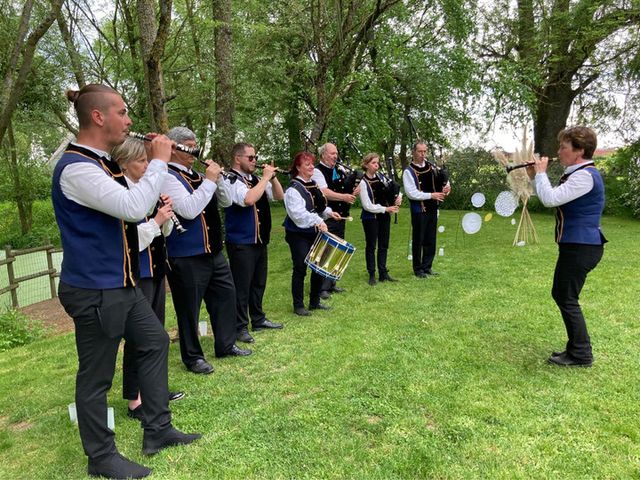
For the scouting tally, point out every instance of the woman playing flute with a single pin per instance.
(132, 159)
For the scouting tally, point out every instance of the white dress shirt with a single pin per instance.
(190, 205)
(367, 202)
(297, 210)
(318, 177)
(87, 185)
(408, 181)
(147, 231)
(578, 184)
(239, 190)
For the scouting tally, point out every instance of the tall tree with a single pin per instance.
(556, 51)
(224, 135)
(340, 32)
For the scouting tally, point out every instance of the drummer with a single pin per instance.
(306, 210)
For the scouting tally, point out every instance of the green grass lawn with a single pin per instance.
(424, 378)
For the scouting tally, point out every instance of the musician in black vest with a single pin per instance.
(197, 268)
(131, 157)
(579, 202)
(424, 187)
(377, 205)
(338, 186)
(247, 231)
(306, 208)
(97, 216)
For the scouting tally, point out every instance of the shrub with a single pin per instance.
(475, 170)
(17, 329)
(625, 168)
(44, 228)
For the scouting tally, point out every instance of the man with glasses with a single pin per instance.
(198, 270)
(248, 228)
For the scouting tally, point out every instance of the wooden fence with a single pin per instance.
(14, 282)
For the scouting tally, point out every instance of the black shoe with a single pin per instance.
(421, 274)
(567, 360)
(175, 396)
(236, 351)
(336, 289)
(557, 354)
(431, 272)
(153, 443)
(319, 306)
(136, 413)
(266, 325)
(385, 277)
(302, 312)
(244, 337)
(372, 280)
(116, 466)
(324, 295)
(201, 366)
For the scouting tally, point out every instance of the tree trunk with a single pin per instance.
(74, 56)
(319, 125)
(206, 99)
(553, 108)
(25, 212)
(224, 135)
(140, 106)
(294, 127)
(153, 42)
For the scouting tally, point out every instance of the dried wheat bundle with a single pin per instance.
(519, 183)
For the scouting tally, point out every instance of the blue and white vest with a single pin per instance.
(579, 220)
(101, 251)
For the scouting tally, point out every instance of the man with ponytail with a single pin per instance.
(97, 216)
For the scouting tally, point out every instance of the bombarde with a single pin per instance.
(510, 168)
(195, 151)
(278, 170)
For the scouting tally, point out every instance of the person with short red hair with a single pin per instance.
(307, 209)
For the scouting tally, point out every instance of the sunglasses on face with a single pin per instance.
(251, 157)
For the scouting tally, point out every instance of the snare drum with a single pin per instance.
(329, 255)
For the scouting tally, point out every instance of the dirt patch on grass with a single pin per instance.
(51, 314)
(57, 322)
(14, 427)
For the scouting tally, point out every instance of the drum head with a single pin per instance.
(471, 223)
(506, 203)
(478, 199)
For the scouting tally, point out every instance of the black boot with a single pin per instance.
(385, 277)
(152, 443)
(372, 279)
(116, 466)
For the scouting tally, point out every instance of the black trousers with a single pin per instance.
(423, 240)
(155, 292)
(300, 244)
(102, 318)
(574, 263)
(376, 231)
(337, 227)
(249, 264)
(193, 279)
